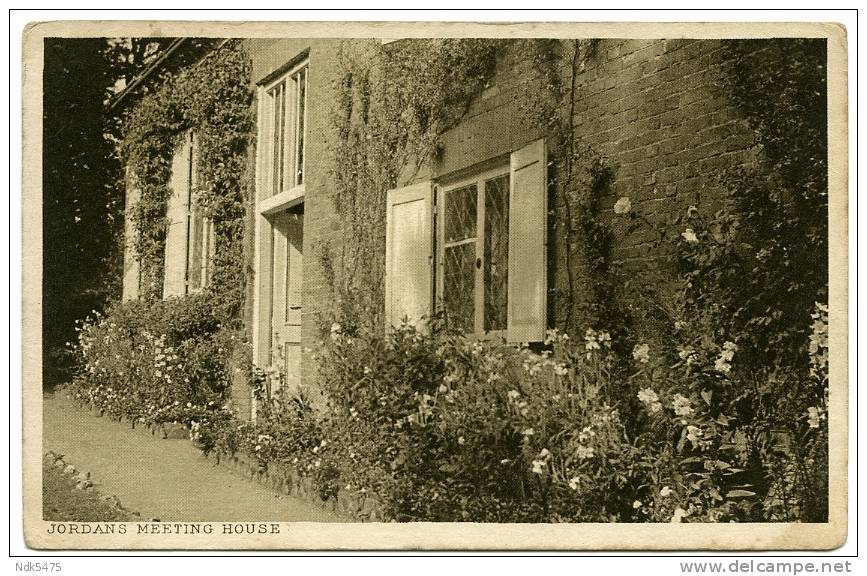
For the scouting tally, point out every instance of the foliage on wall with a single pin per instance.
(393, 104)
(579, 179)
(213, 101)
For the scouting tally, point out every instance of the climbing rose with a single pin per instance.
(690, 236)
(814, 415)
(679, 515)
(650, 399)
(623, 205)
(681, 405)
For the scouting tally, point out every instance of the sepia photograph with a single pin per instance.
(435, 286)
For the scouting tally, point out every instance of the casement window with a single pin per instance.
(190, 237)
(286, 109)
(280, 184)
(475, 246)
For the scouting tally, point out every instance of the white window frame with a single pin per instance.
(273, 196)
(478, 179)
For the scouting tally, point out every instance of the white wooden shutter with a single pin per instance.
(409, 254)
(177, 208)
(527, 244)
(131, 262)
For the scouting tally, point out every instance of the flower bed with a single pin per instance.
(442, 428)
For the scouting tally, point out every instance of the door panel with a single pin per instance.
(288, 262)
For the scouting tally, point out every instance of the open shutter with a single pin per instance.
(527, 244)
(131, 262)
(408, 254)
(177, 213)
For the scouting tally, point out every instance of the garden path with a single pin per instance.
(162, 478)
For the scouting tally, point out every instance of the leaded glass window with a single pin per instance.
(474, 253)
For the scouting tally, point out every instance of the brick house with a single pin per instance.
(478, 228)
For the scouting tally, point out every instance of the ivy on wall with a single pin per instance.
(213, 101)
(584, 285)
(392, 105)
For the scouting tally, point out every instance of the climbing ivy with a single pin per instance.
(579, 178)
(213, 101)
(393, 103)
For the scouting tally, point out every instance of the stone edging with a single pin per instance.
(357, 506)
(84, 482)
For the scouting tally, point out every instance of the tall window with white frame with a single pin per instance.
(287, 99)
(281, 182)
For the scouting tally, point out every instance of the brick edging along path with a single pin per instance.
(162, 478)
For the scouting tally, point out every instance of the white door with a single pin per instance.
(287, 266)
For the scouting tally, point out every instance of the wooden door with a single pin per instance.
(286, 296)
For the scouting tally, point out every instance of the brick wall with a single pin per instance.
(650, 108)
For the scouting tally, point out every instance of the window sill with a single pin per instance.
(282, 201)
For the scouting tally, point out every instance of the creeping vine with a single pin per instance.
(212, 100)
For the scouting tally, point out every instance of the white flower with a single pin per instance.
(367, 370)
(532, 368)
(538, 467)
(623, 205)
(544, 453)
(693, 434)
(690, 236)
(560, 369)
(461, 440)
(528, 432)
(723, 363)
(814, 416)
(584, 452)
(679, 515)
(681, 405)
(650, 399)
(665, 492)
(641, 353)
(513, 395)
(336, 331)
(573, 482)
(637, 504)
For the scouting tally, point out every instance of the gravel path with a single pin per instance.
(165, 479)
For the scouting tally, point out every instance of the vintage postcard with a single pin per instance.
(421, 286)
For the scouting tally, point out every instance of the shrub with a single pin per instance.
(154, 362)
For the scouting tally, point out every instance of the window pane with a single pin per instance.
(197, 234)
(460, 214)
(301, 91)
(496, 261)
(459, 285)
(278, 128)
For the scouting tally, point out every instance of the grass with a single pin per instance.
(61, 501)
